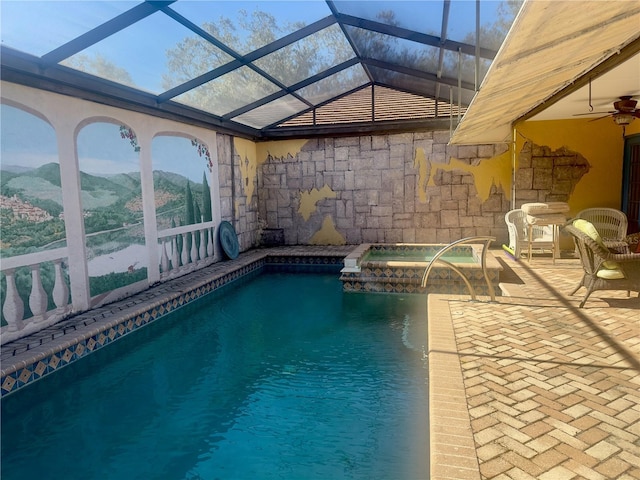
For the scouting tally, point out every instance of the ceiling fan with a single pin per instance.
(625, 111)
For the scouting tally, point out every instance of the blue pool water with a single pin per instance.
(276, 377)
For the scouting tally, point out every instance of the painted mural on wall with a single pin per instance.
(182, 194)
(181, 168)
(30, 196)
(31, 202)
(108, 157)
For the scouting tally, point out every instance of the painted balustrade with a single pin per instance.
(186, 248)
(13, 307)
(182, 250)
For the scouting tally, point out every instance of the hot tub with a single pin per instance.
(399, 268)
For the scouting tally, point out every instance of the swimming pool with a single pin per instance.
(277, 376)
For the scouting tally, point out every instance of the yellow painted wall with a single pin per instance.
(600, 142)
(493, 171)
(279, 149)
(310, 199)
(253, 154)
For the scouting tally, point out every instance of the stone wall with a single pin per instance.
(546, 175)
(383, 188)
(411, 188)
(234, 205)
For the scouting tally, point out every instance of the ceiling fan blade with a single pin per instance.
(591, 113)
(600, 118)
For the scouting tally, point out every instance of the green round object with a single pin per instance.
(228, 240)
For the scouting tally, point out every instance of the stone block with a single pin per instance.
(373, 181)
(430, 220)
(426, 236)
(561, 187)
(271, 180)
(466, 221)
(409, 235)
(467, 151)
(308, 183)
(486, 151)
(403, 220)
(308, 168)
(379, 142)
(372, 222)
(474, 206)
(381, 211)
(450, 204)
(373, 197)
(563, 173)
(492, 204)
(400, 138)
(370, 235)
(524, 178)
(329, 164)
(380, 159)
(441, 137)
(284, 200)
(385, 197)
(347, 141)
(349, 180)
(365, 143)
(341, 166)
(360, 198)
(341, 153)
(459, 192)
(542, 179)
(449, 218)
(392, 235)
(542, 163)
(485, 221)
(526, 196)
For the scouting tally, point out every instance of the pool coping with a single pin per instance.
(452, 446)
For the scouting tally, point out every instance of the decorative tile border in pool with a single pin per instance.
(26, 360)
(405, 276)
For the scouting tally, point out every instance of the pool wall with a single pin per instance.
(405, 276)
(28, 359)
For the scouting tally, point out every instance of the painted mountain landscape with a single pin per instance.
(31, 211)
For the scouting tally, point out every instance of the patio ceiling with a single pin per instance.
(558, 58)
(262, 69)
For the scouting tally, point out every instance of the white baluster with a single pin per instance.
(60, 291)
(209, 243)
(185, 252)
(38, 297)
(194, 248)
(174, 254)
(164, 259)
(13, 308)
(203, 245)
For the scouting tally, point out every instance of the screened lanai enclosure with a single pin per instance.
(132, 130)
(262, 69)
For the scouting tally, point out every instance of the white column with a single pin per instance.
(73, 219)
(149, 205)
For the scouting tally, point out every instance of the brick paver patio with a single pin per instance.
(532, 387)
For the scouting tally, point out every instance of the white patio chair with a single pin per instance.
(542, 236)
